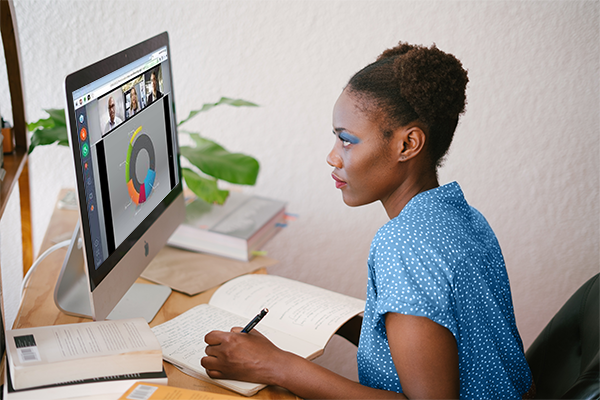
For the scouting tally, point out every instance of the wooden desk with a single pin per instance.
(38, 308)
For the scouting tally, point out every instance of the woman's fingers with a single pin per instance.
(214, 338)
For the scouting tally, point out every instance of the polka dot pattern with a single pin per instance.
(441, 260)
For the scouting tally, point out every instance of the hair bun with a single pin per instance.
(401, 48)
(433, 82)
(413, 82)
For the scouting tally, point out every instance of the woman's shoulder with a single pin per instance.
(432, 209)
(436, 217)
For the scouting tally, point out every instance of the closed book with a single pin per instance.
(235, 229)
(62, 353)
(107, 387)
(149, 391)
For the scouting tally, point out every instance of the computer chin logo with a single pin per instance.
(146, 248)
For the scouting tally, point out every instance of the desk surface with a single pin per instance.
(38, 308)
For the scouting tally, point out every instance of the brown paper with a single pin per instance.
(191, 273)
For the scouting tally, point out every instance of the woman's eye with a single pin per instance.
(348, 139)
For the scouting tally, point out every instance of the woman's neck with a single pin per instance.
(412, 186)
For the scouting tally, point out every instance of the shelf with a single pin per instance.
(13, 164)
(16, 164)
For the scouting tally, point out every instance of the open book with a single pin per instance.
(301, 319)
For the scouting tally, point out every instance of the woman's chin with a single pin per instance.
(353, 201)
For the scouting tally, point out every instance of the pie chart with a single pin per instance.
(140, 189)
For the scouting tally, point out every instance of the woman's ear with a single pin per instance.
(411, 142)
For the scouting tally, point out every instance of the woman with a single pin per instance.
(133, 108)
(438, 321)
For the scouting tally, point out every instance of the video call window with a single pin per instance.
(131, 98)
(135, 96)
(114, 113)
(153, 85)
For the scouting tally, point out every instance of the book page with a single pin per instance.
(299, 309)
(182, 338)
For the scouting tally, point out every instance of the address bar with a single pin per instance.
(110, 86)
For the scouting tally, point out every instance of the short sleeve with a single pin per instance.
(440, 259)
(412, 278)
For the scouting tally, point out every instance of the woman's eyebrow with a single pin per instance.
(339, 130)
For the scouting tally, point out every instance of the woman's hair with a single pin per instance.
(133, 103)
(411, 83)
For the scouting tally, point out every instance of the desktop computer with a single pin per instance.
(123, 137)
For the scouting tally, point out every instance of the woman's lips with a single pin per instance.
(338, 182)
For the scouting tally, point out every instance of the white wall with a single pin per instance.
(526, 152)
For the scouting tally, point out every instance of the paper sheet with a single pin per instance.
(191, 273)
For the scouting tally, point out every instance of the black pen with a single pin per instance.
(255, 320)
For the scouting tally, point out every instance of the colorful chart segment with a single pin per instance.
(140, 191)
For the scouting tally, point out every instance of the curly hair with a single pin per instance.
(410, 83)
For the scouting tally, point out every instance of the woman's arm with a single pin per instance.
(424, 353)
(252, 357)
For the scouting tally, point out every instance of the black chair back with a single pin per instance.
(564, 357)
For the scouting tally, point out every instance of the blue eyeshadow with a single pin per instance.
(346, 137)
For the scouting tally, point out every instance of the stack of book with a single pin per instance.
(236, 229)
(73, 360)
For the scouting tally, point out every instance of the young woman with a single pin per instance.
(439, 320)
(133, 108)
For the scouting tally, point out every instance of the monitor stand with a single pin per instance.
(71, 293)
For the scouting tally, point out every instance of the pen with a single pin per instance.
(255, 320)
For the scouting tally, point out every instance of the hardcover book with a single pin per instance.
(235, 229)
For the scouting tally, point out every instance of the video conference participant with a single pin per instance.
(154, 93)
(113, 119)
(134, 105)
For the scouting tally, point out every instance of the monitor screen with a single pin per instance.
(121, 121)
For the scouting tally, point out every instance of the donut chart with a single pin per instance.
(139, 191)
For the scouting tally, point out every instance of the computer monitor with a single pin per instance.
(123, 137)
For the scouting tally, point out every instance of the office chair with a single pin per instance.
(564, 357)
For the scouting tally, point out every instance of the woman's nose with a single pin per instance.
(334, 159)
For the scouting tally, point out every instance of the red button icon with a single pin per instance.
(83, 134)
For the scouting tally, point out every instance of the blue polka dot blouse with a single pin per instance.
(440, 259)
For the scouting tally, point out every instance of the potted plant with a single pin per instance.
(210, 161)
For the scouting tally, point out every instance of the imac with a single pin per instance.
(123, 137)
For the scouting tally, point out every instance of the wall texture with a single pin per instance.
(526, 152)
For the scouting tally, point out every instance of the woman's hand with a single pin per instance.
(247, 357)
(252, 357)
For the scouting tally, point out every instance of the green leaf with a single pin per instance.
(49, 130)
(41, 123)
(223, 100)
(204, 188)
(47, 136)
(58, 116)
(214, 160)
